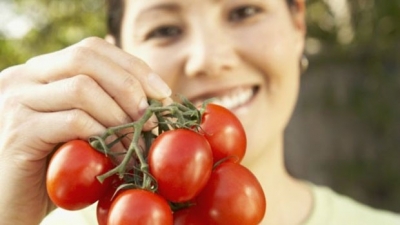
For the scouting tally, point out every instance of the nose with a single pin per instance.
(210, 52)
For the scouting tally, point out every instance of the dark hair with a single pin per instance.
(115, 14)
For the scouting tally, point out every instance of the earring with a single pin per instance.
(304, 63)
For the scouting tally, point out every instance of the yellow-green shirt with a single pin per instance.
(330, 208)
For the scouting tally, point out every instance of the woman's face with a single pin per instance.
(244, 53)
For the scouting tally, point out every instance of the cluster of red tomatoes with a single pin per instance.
(199, 178)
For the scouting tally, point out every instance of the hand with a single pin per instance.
(74, 93)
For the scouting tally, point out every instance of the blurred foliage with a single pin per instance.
(57, 24)
(375, 46)
(367, 38)
(374, 54)
(375, 25)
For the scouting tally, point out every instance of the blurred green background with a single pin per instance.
(345, 131)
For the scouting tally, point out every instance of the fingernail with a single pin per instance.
(143, 106)
(159, 85)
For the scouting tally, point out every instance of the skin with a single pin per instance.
(210, 55)
(49, 99)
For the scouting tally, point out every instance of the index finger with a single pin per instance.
(153, 85)
(129, 88)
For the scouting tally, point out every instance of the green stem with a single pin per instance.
(186, 117)
(133, 148)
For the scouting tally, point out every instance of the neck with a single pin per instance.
(283, 192)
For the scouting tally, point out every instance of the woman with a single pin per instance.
(246, 53)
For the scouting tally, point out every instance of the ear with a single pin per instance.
(110, 39)
(298, 11)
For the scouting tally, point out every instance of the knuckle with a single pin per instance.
(12, 110)
(12, 99)
(131, 85)
(136, 62)
(91, 42)
(140, 69)
(78, 85)
(138, 65)
(11, 95)
(9, 101)
(78, 53)
(72, 119)
(78, 120)
(78, 56)
(7, 76)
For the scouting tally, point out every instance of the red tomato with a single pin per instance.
(104, 203)
(224, 132)
(181, 162)
(188, 216)
(103, 206)
(71, 175)
(232, 196)
(136, 206)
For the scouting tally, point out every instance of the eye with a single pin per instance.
(164, 32)
(243, 12)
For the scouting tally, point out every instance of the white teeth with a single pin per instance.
(235, 98)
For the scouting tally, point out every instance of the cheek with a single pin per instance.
(272, 50)
(275, 53)
(273, 44)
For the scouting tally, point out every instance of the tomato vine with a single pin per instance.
(174, 116)
(180, 168)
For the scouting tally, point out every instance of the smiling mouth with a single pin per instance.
(233, 98)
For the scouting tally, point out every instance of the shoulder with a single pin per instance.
(331, 208)
(59, 216)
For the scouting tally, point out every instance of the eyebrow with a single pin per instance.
(171, 7)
